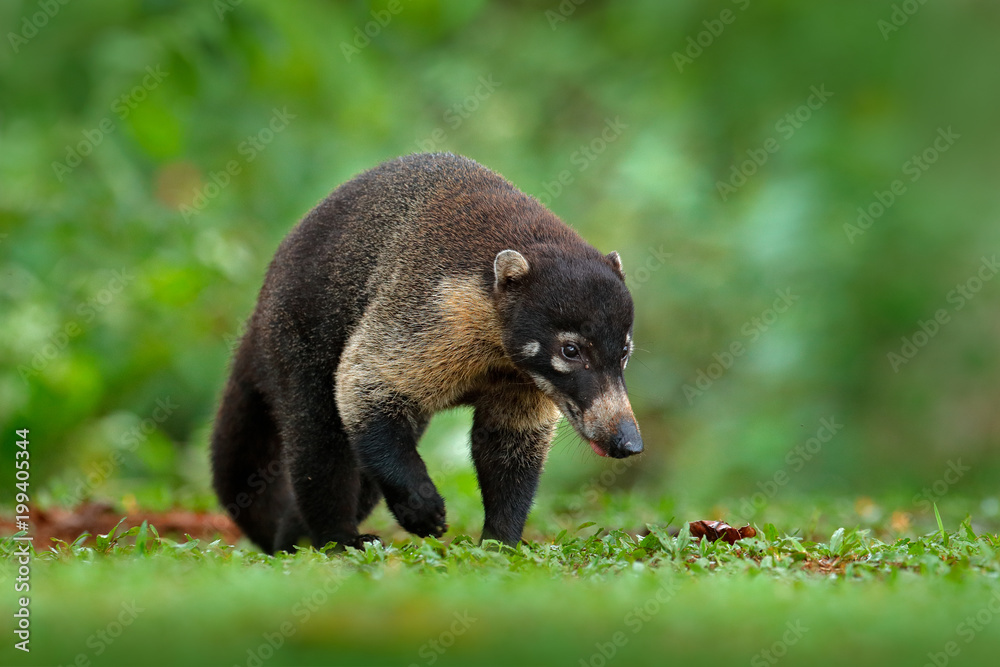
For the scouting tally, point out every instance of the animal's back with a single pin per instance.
(422, 216)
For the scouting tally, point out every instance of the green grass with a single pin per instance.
(836, 584)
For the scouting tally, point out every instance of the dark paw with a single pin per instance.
(422, 514)
(506, 539)
(365, 538)
(337, 543)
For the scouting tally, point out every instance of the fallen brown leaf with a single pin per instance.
(719, 530)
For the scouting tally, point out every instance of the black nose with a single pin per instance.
(627, 440)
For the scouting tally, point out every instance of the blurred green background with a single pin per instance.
(153, 154)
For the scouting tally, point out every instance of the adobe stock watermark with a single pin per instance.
(958, 298)
(364, 34)
(697, 43)
(914, 168)
(582, 158)
(900, 16)
(302, 611)
(223, 7)
(931, 494)
(88, 311)
(121, 107)
(31, 25)
(100, 471)
(248, 150)
(795, 460)
(431, 650)
(234, 338)
(258, 481)
(592, 491)
(458, 113)
(966, 631)
(562, 12)
(751, 330)
(786, 127)
(656, 259)
(100, 641)
(779, 649)
(634, 621)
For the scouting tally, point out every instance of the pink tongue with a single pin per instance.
(597, 450)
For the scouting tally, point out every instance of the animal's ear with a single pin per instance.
(508, 267)
(616, 263)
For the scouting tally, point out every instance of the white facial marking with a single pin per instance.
(570, 337)
(560, 364)
(531, 348)
(547, 387)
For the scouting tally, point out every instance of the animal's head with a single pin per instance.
(568, 326)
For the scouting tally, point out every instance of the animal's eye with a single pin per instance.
(570, 351)
(625, 353)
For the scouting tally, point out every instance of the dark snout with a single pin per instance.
(626, 441)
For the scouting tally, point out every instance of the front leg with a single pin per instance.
(511, 434)
(385, 442)
(378, 397)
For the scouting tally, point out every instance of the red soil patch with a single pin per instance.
(99, 519)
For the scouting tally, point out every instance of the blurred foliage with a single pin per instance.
(153, 154)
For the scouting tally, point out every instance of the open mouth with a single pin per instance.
(575, 418)
(597, 449)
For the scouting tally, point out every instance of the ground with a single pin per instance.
(823, 583)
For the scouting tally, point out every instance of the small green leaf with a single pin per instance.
(944, 535)
(106, 542)
(969, 532)
(837, 541)
(142, 538)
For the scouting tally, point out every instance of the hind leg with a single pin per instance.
(291, 529)
(321, 465)
(368, 497)
(326, 483)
